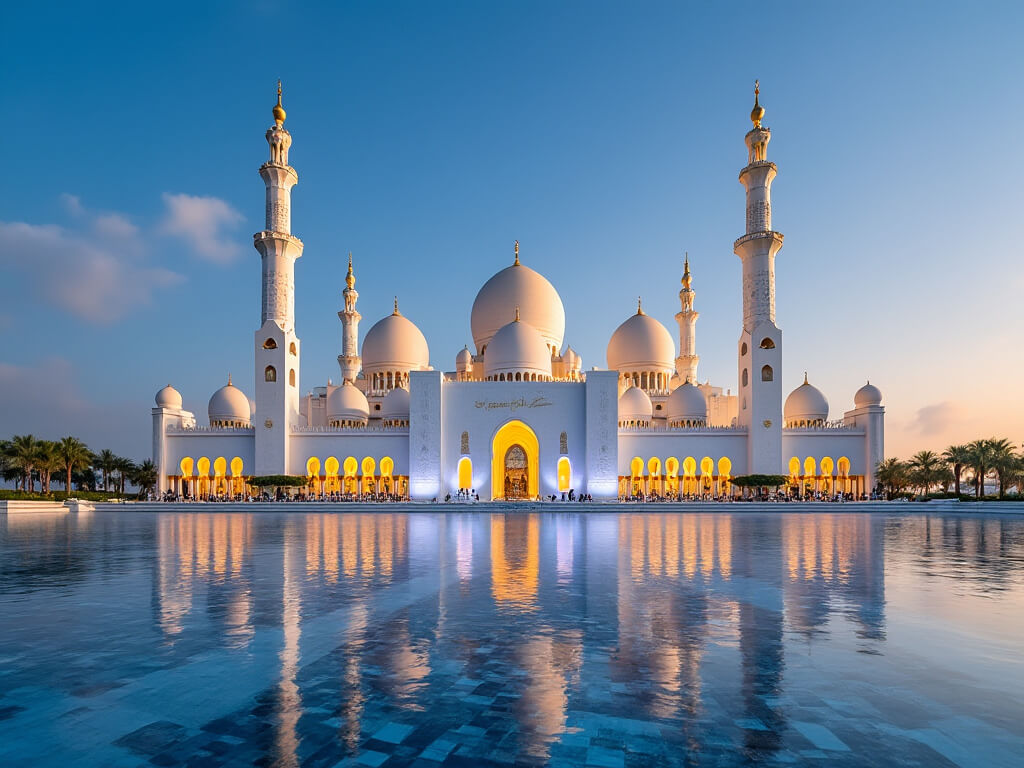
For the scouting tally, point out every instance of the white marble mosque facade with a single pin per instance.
(518, 417)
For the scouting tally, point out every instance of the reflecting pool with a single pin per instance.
(595, 639)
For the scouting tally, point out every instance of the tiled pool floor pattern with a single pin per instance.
(500, 640)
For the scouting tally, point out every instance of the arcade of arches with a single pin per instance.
(355, 478)
(672, 477)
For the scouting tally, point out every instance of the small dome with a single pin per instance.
(229, 405)
(168, 397)
(347, 404)
(517, 347)
(396, 405)
(570, 357)
(641, 343)
(464, 360)
(686, 404)
(867, 395)
(394, 343)
(805, 405)
(517, 286)
(635, 405)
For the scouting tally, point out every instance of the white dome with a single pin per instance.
(394, 343)
(517, 347)
(570, 357)
(518, 286)
(464, 360)
(686, 403)
(395, 405)
(635, 405)
(168, 397)
(869, 394)
(641, 343)
(806, 403)
(347, 403)
(229, 404)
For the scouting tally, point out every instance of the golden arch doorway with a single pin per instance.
(515, 472)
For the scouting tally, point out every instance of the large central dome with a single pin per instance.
(518, 286)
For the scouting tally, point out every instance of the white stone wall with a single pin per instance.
(354, 443)
(602, 453)
(425, 434)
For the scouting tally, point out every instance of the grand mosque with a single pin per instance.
(518, 417)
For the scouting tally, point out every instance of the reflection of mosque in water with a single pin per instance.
(534, 607)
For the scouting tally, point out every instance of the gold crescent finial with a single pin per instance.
(279, 113)
(686, 271)
(350, 278)
(396, 312)
(517, 253)
(757, 113)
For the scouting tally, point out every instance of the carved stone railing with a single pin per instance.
(828, 426)
(661, 430)
(210, 431)
(373, 430)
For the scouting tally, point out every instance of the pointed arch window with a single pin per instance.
(270, 373)
(767, 374)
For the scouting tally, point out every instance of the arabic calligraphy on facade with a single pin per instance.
(513, 405)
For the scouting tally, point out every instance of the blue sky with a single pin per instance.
(605, 137)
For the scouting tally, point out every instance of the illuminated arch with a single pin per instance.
(511, 433)
(707, 471)
(809, 467)
(672, 475)
(843, 470)
(369, 467)
(331, 467)
(203, 467)
(351, 468)
(465, 472)
(312, 467)
(236, 466)
(564, 474)
(724, 474)
(794, 467)
(187, 466)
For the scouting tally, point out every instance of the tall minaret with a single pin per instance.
(349, 359)
(686, 363)
(277, 346)
(760, 345)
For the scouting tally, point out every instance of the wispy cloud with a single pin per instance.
(937, 418)
(203, 222)
(96, 274)
(72, 204)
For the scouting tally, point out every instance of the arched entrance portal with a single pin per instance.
(515, 462)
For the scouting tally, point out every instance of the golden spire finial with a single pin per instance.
(396, 312)
(517, 254)
(805, 378)
(639, 308)
(517, 314)
(757, 113)
(229, 379)
(279, 113)
(350, 278)
(686, 271)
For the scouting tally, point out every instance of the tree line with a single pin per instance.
(993, 458)
(27, 460)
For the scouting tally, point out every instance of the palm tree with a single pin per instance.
(22, 453)
(1003, 460)
(923, 469)
(980, 462)
(48, 463)
(145, 476)
(958, 457)
(73, 456)
(106, 462)
(892, 475)
(124, 467)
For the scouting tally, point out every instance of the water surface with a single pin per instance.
(596, 639)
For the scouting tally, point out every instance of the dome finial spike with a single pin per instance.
(350, 278)
(279, 113)
(396, 312)
(805, 378)
(757, 113)
(639, 306)
(517, 254)
(229, 379)
(517, 313)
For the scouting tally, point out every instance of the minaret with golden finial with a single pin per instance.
(277, 347)
(760, 344)
(686, 363)
(349, 360)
